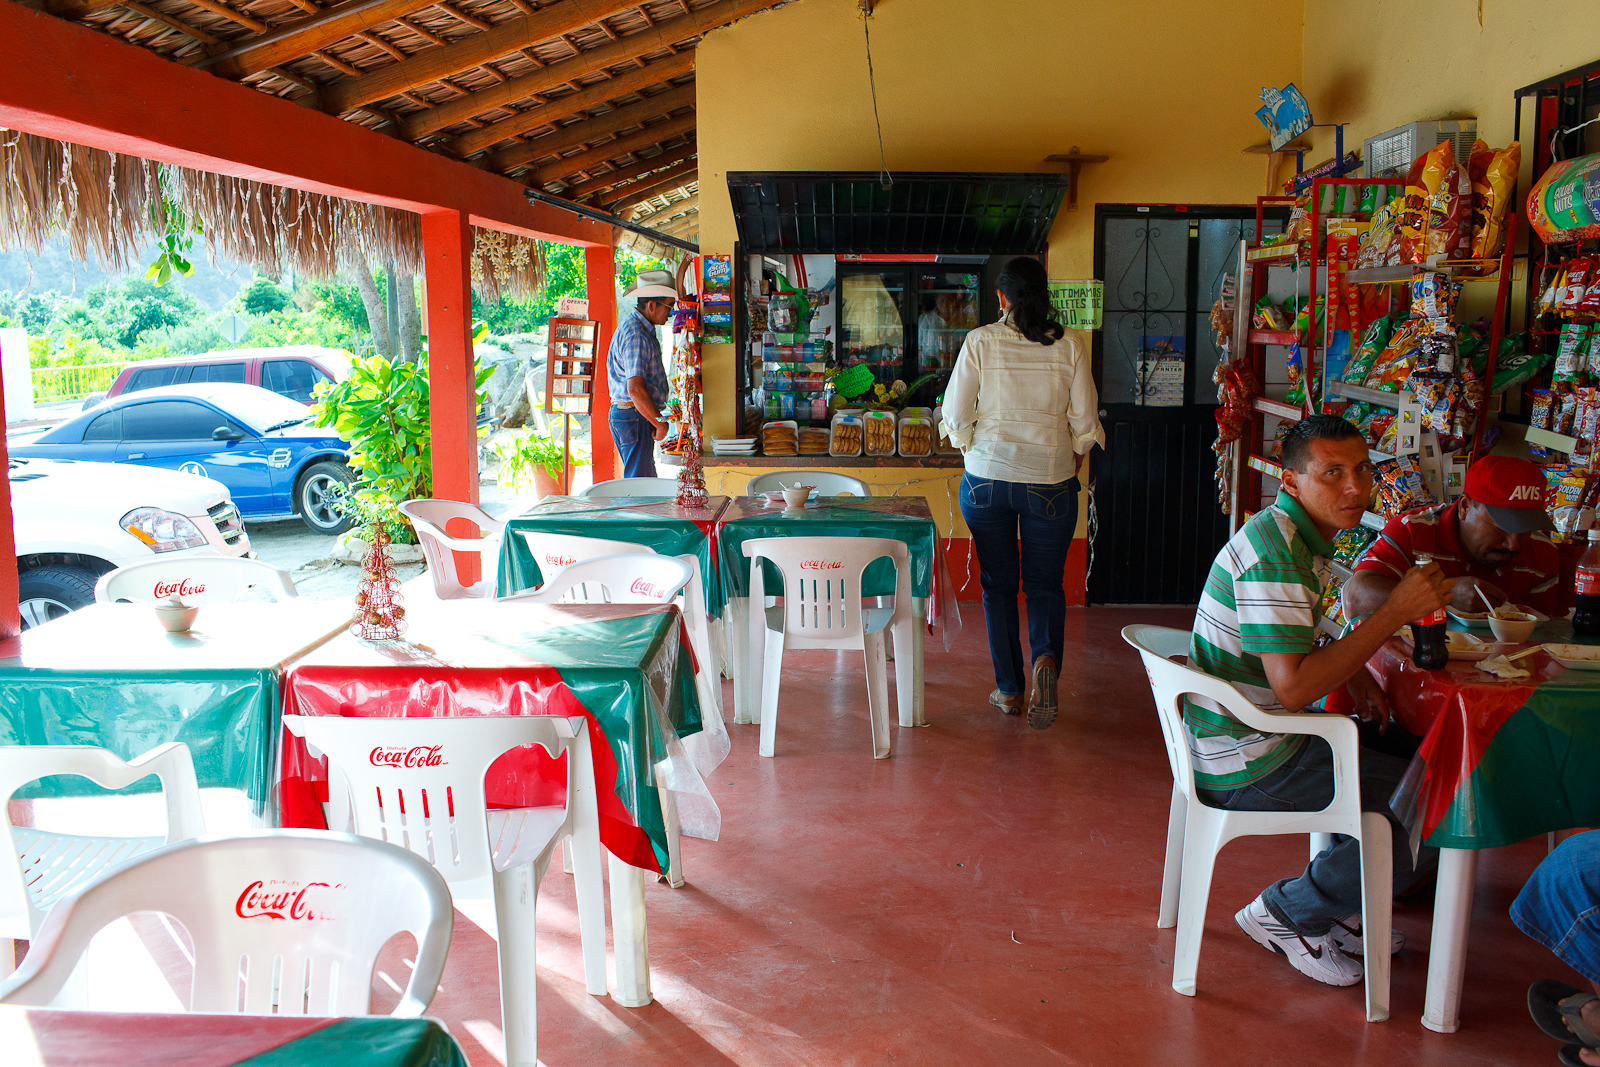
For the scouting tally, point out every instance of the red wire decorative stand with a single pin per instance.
(692, 476)
(380, 615)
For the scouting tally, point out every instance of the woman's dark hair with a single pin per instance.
(1027, 289)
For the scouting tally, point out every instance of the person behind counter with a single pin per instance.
(634, 371)
(1492, 538)
(1021, 405)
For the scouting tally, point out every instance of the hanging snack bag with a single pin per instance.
(1398, 359)
(1433, 294)
(1373, 342)
(1400, 486)
(1378, 426)
(1374, 248)
(1571, 352)
(1410, 244)
(1491, 197)
(1566, 413)
(1580, 276)
(1449, 219)
(1438, 348)
(1559, 204)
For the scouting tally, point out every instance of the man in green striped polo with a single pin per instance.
(1256, 627)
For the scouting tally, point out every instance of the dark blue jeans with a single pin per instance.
(1045, 516)
(636, 442)
(1330, 886)
(1560, 905)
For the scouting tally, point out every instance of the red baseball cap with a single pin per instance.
(1513, 490)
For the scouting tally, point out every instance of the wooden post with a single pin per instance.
(453, 406)
(600, 282)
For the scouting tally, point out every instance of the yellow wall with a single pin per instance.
(1166, 88)
(937, 484)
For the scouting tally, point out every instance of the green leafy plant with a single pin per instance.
(521, 451)
(383, 409)
(174, 244)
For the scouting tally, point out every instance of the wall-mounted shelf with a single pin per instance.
(1278, 408)
(1362, 393)
(1265, 466)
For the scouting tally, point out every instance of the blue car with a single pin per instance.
(260, 445)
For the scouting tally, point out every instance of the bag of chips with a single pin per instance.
(1437, 350)
(1559, 204)
(1400, 486)
(1449, 215)
(1410, 229)
(1580, 275)
(1349, 544)
(1572, 352)
(1433, 294)
(1491, 197)
(1514, 364)
(1374, 341)
(1375, 242)
(1397, 361)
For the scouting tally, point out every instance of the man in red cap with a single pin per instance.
(1491, 538)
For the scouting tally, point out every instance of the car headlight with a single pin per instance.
(163, 531)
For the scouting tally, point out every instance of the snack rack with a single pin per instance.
(569, 379)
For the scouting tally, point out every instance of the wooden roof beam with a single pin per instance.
(632, 142)
(310, 35)
(630, 171)
(254, 25)
(677, 207)
(469, 52)
(589, 96)
(581, 133)
(167, 20)
(631, 196)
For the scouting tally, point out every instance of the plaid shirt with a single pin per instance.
(636, 353)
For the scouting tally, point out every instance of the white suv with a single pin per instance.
(75, 521)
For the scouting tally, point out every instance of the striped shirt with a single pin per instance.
(1263, 595)
(636, 353)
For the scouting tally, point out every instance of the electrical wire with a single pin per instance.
(884, 177)
(1554, 134)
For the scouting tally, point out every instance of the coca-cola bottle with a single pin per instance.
(1429, 649)
(1586, 620)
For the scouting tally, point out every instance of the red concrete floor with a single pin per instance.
(987, 895)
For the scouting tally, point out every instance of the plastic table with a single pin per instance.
(625, 668)
(109, 675)
(904, 519)
(658, 522)
(1500, 761)
(42, 1037)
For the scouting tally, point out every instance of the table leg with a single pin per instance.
(1447, 955)
(755, 656)
(908, 642)
(739, 656)
(630, 944)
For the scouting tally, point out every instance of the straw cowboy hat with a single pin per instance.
(653, 284)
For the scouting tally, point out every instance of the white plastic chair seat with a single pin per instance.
(875, 620)
(195, 579)
(828, 483)
(53, 865)
(633, 487)
(429, 517)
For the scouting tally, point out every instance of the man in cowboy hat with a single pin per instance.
(636, 376)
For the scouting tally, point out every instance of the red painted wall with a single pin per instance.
(600, 282)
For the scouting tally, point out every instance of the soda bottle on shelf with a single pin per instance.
(1586, 620)
(1429, 649)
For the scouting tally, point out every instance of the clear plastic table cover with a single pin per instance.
(658, 522)
(626, 668)
(904, 519)
(108, 675)
(1500, 761)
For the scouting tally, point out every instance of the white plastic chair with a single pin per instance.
(429, 519)
(49, 866)
(284, 922)
(196, 579)
(633, 487)
(1197, 832)
(822, 608)
(418, 783)
(828, 483)
(625, 578)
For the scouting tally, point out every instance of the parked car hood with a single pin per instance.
(43, 480)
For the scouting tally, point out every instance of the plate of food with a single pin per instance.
(1479, 620)
(1575, 657)
(1464, 647)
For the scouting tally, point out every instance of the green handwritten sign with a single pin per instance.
(1079, 305)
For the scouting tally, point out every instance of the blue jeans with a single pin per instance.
(1560, 905)
(1046, 516)
(636, 441)
(1330, 887)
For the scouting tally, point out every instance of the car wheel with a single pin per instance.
(321, 487)
(51, 592)
(91, 400)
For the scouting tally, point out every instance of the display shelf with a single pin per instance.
(1273, 254)
(1362, 393)
(821, 461)
(1328, 626)
(1550, 439)
(1274, 337)
(1456, 268)
(1265, 466)
(1373, 521)
(1278, 408)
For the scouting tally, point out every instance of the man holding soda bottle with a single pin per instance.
(1256, 627)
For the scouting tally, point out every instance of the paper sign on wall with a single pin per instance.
(1079, 305)
(572, 307)
(1161, 371)
(716, 299)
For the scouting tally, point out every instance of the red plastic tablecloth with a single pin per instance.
(1456, 712)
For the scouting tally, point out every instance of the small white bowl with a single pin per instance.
(795, 498)
(1512, 630)
(176, 620)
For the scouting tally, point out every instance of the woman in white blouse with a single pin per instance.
(1021, 405)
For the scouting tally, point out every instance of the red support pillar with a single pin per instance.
(453, 403)
(10, 621)
(600, 281)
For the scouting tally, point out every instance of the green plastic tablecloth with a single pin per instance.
(896, 518)
(657, 522)
(370, 1041)
(622, 663)
(108, 675)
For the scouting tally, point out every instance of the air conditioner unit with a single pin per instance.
(1397, 149)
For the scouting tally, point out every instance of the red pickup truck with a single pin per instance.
(292, 371)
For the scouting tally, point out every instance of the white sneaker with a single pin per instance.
(1314, 957)
(1347, 935)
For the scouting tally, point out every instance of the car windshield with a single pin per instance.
(263, 410)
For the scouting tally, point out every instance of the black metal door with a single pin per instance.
(1158, 525)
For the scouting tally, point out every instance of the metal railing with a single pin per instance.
(73, 383)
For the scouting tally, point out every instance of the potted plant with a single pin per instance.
(531, 458)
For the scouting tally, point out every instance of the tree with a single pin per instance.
(263, 296)
(377, 314)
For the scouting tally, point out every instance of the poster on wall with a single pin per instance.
(1078, 305)
(1160, 381)
(716, 300)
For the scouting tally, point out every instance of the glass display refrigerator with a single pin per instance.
(908, 321)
